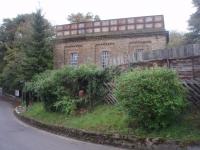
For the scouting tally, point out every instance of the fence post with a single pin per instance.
(193, 76)
(1, 92)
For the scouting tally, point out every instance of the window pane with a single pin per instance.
(90, 30)
(131, 27)
(66, 33)
(81, 25)
(131, 20)
(139, 26)
(73, 32)
(113, 22)
(67, 27)
(81, 31)
(122, 21)
(158, 25)
(97, 29)
(113, 28)
(149, 25)
(122, 28)
(73, 26)
(97, 23)
(139, 20)
(158, 18)
(89, 25)
(105, 23)
(148, 19)
(105, 29)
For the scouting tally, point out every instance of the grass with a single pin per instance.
(103, 119)
(109, 119)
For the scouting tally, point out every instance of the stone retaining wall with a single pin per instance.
(123, 141)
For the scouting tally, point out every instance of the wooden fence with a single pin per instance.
(185, 60)
(192, 87)
(110, 98)
(172, 53)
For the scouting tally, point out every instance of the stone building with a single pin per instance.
(99, 41)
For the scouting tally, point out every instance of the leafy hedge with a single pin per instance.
(58, 86)
(152, 98)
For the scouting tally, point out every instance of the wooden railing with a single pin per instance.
(185, 60)
(161, 54)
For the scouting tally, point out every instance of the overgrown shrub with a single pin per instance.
(52, 86)
(46, 88)
(152, 98)
(65, 105)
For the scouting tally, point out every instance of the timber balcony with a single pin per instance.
(114, 26)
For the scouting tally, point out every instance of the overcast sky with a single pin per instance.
(176, 12)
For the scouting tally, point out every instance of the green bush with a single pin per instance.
(152, 98)
(52, 86)
(65, 105)
(46, 88)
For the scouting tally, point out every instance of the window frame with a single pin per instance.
(105, 56)
(74, 58)
(137, 53)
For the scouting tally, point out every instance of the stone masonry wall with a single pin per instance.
(89, 50)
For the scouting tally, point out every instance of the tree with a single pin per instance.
(7, 33)
(96, 18)
(80, 17)
(14, 34)
(194, 25)
(25, 49)
(11, 31)
(39, 53)
(12, 74)
(176, 39)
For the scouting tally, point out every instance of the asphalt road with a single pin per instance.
(15, 135)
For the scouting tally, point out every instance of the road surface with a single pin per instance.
(15, 135)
